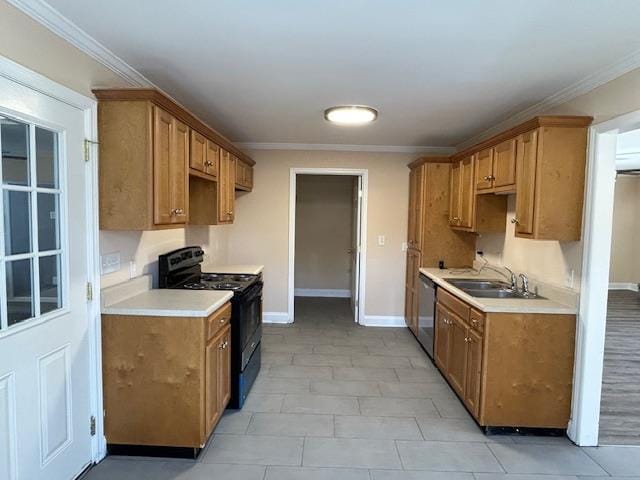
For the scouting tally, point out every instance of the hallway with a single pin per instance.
(338, 401)
(620, 406)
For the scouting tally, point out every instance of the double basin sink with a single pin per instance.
(489, 289)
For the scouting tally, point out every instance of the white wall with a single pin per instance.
(143, 248)
(260, 233)
(324, 211)
(625, 242)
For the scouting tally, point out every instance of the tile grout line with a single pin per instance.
(395, 444)
(496, 457)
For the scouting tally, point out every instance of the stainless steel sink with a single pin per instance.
(477, 284)
(502, 293)
(489, 289)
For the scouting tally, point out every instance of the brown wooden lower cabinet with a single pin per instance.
(166, 379)
(411, 290)
(509, 369)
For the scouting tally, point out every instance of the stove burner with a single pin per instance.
(242, 278)
(228, 286)
(212, 277)
(195, 286)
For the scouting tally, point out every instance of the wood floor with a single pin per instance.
(620, 408)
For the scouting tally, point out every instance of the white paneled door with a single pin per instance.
(45, 357)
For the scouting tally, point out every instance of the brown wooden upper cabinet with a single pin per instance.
(244, 175)
(204, 156)
(144, 155)
(496, 168)
(551, 163)
(151, 150)
(469, 212)
(226, 188)
(542, 161)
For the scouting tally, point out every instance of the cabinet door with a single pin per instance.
(457, 361)
(179, 173)
(212, 158)
(241, 175)
(504, 164)
(249, 173)
(231, 190)
(408, 305)
(226, 184)
(442, 337)
(454, 201)
(416, 193)
(526, 158)
(467, 192)
(411, 308)
(213, 408)
(474, 372)
(484, 169)
(198, 152)
(162, 151)
(224, 368)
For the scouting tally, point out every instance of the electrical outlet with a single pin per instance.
(568, 282)
(381, 240)
(109, 263)
(405, 246)
(133, 269)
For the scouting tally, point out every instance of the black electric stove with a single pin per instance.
(181, 269)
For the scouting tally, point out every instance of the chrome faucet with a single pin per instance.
(525, 284)
(512, 276)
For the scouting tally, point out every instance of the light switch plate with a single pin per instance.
(109, 263)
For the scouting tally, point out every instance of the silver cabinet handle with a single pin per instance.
(223, 319)
(177, 211)
(515, 221)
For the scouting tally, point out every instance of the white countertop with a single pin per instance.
(495, 305)
(238, 269)
(171, 303)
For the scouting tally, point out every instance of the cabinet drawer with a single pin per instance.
(452, 303)
(218, 319)
(476, 320)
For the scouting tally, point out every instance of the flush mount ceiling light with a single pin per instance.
(350, 114)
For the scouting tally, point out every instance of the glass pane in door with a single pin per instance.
(20, 305)
(48, 222)
(50, 296)
(46, 158)
(17, 222)
(14, 138)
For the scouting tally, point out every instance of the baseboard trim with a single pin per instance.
(383, 321)
(275, 317)
(321, 292)
(624, 286)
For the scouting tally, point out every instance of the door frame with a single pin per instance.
(352, 172)
(583, 426)
(23, 76)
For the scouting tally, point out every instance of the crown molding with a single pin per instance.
(45, 14)
(334, 147)
(587, 84)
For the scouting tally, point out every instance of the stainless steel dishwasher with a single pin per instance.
(426, 313)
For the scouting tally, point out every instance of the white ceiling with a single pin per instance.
(439, 71)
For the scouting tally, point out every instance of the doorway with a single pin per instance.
(49, 346)
(591, 396)
(620, 403)
(327, 236)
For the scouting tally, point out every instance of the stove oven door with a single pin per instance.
(250, 307)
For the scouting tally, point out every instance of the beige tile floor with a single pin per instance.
(339, 401)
